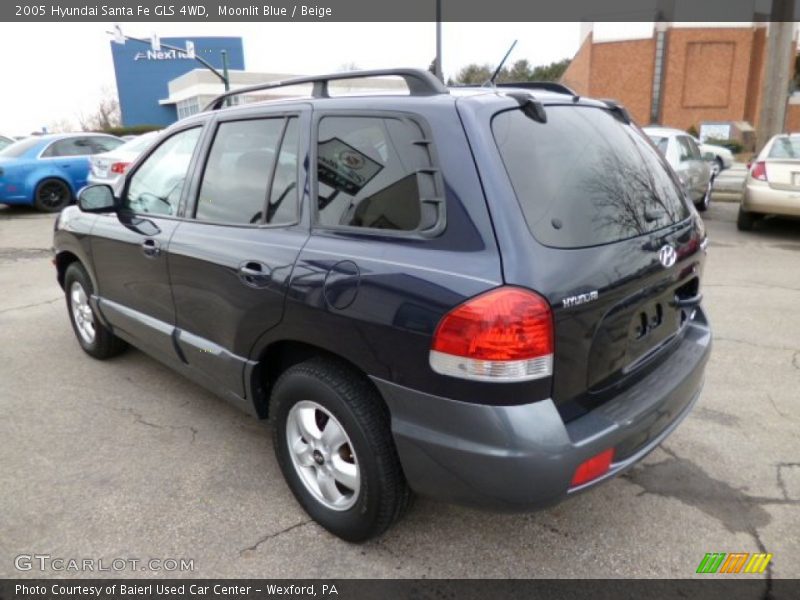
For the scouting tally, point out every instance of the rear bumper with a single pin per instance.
(759, 197)
(523, 457)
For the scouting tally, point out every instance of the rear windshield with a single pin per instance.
(785, 147)
(583, 178)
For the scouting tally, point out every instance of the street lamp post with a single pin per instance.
(121, 38)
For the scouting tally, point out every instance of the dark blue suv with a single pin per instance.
(486, 295)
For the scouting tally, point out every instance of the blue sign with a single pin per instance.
(143, 74)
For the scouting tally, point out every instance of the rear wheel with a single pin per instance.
(334, 445)
(52, 195)
(95, 339)
(746, 220)
(717, 166)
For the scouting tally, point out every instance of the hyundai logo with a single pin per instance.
(667, 256)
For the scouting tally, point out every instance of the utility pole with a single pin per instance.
(437, 63)
(777, 72)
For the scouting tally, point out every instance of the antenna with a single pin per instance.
(500, 66)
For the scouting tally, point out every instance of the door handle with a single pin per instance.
(254, 274)
(151, 248)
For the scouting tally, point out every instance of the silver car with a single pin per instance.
(109, 167)
(683, 155)
(772, 185)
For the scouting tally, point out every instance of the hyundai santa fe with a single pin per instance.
(486, 295)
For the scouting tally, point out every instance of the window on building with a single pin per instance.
(367, 173)
(239, 172)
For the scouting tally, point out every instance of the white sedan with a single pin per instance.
(109, 167)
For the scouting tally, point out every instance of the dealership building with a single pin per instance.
(143, 74)
(679, 75)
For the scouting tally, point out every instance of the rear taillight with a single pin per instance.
(759, 171)
(593, 468)
(503, 335)
(119, 167)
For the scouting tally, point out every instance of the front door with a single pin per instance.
(130, 248)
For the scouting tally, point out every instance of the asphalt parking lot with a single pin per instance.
(125, 459)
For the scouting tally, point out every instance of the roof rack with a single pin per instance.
(550, 86)
(419, 82)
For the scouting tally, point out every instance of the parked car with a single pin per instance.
(689, 163)
(5, 141)
(718, 157)
(772, 185)
(109, 167)
(47, 171)
(488, 296)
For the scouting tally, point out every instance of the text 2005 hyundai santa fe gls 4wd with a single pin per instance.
(490, 296)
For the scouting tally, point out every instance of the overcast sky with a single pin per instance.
(57, 70)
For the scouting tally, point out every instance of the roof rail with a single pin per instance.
(419, 82)
(550, 86)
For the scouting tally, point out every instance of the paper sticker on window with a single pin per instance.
(344, 168)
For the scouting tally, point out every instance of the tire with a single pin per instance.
(95, 339)
(746, 220)
(52, 195)
(321, 393)
(718, 166)
(703, 205)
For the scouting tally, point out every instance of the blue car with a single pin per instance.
(47, 171)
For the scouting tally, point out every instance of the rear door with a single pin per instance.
(614, 245)
(231, 259)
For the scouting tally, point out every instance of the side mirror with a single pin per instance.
(97, 199)
(709, 156)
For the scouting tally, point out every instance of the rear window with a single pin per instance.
(583, 178)
(785, 147)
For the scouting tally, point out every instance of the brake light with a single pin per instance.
(119, 167)
(593, 468)
(759, 171)
(504, 335)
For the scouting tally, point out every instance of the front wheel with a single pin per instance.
(703, 205)
(52, 195)
(95, 339)
(334, 445)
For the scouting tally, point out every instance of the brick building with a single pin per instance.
(678, 76)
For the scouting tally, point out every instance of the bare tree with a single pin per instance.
(62, 125)
(106, 116)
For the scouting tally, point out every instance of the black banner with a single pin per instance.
(722, 588)
(392, 10)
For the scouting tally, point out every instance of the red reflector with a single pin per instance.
(119, 167)
(505, 324)
(593, 468)
(759, 171)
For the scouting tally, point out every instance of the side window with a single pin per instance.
(694, 151)
(75, 146)
(239, 171)
(685, 148)
(372, 172)
(157, 185)
(283, 201)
